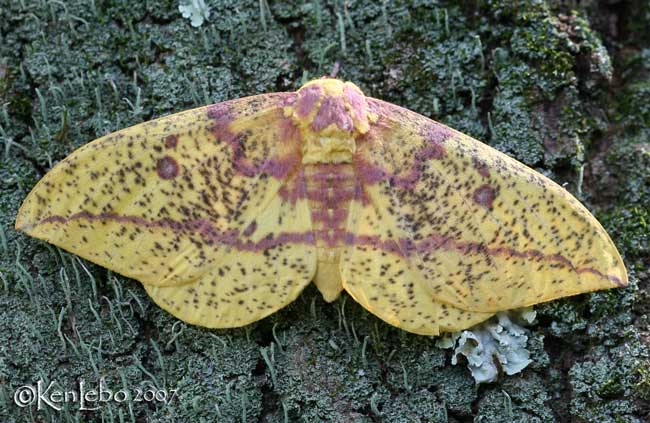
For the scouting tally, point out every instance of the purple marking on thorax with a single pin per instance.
(307, 98)
(357, 102)
(332, 110)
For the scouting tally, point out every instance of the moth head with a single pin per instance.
(330, 114)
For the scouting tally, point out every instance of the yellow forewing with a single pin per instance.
(473, 229)
(187, 204)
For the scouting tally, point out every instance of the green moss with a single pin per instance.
(624, 179)
(631, 228)
(531, 80)
(517, 400)
(603, 387)
(637, 27)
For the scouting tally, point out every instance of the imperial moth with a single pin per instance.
(226, 212)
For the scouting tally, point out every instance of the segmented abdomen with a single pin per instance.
(330, 188)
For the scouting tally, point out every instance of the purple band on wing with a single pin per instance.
(278, 167)
(402, 247)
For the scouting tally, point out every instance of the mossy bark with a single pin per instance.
(562, 87)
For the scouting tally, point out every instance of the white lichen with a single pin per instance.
(497, 343)
(196, 10)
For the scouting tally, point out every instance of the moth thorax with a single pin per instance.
(330, 115)
(323, 149)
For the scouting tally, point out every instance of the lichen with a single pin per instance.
(498, 343)
(196, 11)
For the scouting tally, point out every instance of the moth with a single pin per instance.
(226, 212)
